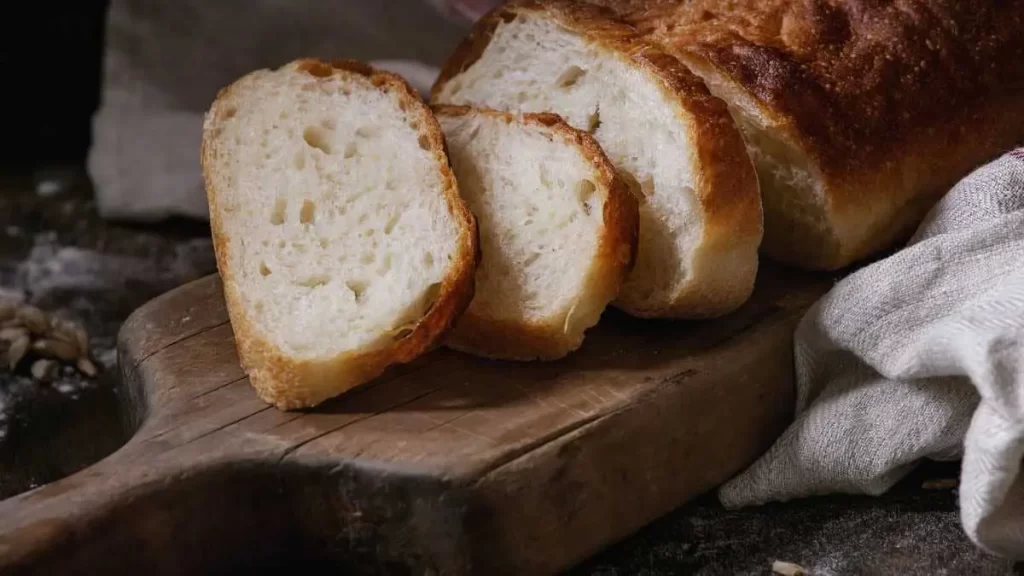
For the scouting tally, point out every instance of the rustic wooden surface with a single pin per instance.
(448, 465)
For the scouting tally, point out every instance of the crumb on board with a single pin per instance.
(787, 569)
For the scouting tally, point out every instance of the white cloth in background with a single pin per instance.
(165, 61)
(920, 355)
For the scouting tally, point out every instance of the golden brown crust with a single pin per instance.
(288, 383)
(727, 185)
(891, 101)
(616, 253)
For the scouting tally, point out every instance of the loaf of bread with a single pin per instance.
(671, 140)
(341, 238)
(558, 231)
(858, 113)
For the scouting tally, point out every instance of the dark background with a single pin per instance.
(51, 58)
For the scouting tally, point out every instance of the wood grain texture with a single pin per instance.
(448, 465)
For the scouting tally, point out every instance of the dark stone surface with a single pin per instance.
(56, 253)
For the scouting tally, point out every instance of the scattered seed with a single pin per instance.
(16, 352)
(70, 331)
(6, 311)
(53, 348)
(940, 484)
(12, 334)
(81, 338)
(85, 366)
(33, 318)
(44, 370)
(788, 569)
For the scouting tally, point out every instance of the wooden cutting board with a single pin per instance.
(448, 465)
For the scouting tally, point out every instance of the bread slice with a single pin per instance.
(558, 231)
(341, 238)
(859, 115)
(673, 142)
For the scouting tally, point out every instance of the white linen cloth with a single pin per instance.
(920, 355)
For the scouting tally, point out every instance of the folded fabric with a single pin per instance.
(920, 355)
(164, 63)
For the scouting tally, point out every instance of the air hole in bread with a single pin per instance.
(314, 281)
(358, 288)
(277, 215)
(545, 177)
(308, 212)
(351, 150)
(264, 269)
(385, 265)
(570, 77)
(428, 259)
(585, 192)
(317, 138)
(391, 184)
(230, 112)
(300, 160)
(414, 124)
(402, 105)
(328, 124)
(367, 131)
(368, 258)
(594, 121)
(324, 242)
(403, 332)
(392, 222)
(424, 142)
(531, 259)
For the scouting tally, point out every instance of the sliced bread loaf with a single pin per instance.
(341, 239)
(674, 143)
(558, 231)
